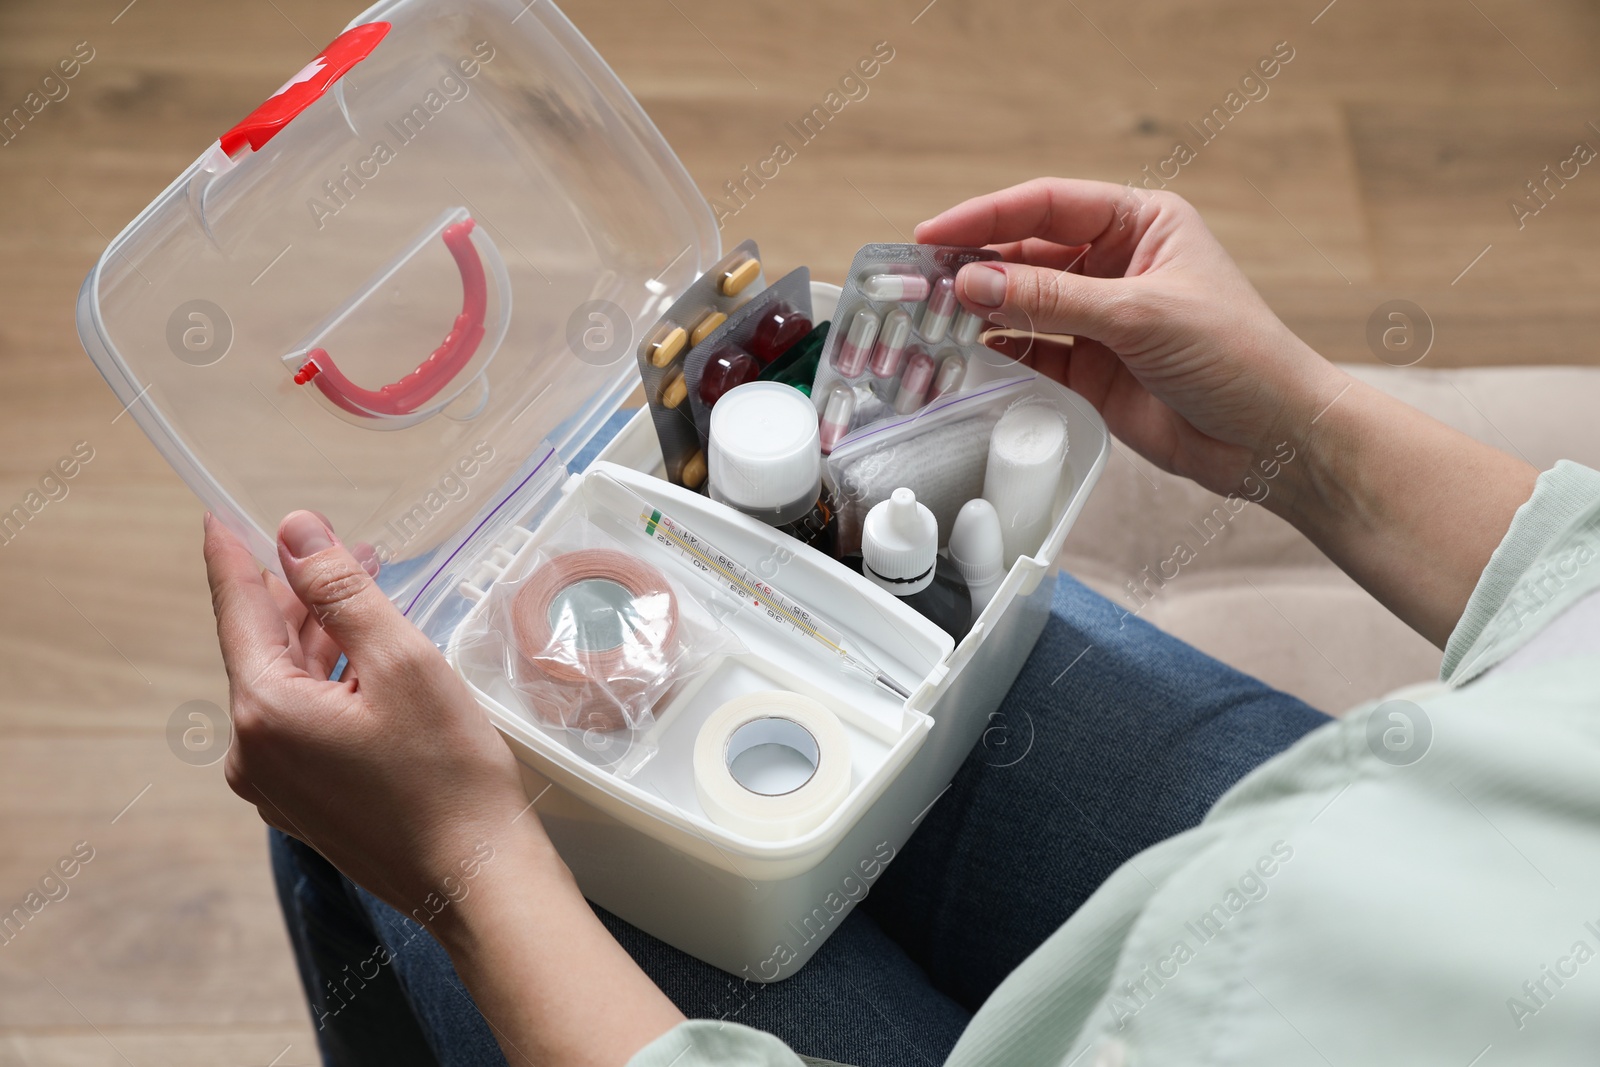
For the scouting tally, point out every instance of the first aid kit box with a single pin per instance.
(407, 292)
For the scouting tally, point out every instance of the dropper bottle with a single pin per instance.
(900, 552)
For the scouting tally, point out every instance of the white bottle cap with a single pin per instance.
(900, 544)
(977, 548)
(764, 454)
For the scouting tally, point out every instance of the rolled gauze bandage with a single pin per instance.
(595, 631)
(772, 717)
(1026, 452)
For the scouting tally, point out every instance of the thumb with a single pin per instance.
(1042, 300)
(339, 592)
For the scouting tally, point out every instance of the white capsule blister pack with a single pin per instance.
(900, 339)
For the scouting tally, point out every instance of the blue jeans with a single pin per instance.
(1114, 737)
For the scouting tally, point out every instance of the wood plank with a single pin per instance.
(171, 923)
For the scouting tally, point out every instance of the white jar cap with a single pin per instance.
(764, 451)
(900, 544)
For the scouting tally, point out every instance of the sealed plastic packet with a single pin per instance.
(943, 453)
(693, 317)
(595, 642)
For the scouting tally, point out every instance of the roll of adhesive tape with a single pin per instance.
(772, 717)
(619, 624)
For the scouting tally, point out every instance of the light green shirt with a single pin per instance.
(1413, 883)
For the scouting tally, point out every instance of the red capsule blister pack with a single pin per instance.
(900, 339)
(774, 321)
(702, 310)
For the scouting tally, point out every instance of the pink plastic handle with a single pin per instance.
(432, 374)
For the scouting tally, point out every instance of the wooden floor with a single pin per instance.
(1381, 165)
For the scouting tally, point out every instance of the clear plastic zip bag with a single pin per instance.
(594, 641)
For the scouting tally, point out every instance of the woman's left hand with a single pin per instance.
(393, 773)
(396, 776)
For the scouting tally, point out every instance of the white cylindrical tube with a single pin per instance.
(977, 548)
(1026, 452)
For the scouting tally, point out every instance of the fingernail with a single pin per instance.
(206, 522)
(303, 534)
(984, 285)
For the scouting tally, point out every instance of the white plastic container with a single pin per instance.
(335, 220)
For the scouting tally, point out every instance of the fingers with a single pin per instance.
(294, 613)
(1041, 300)
(339, 592)
(1040, 253)
(250, 628)
(1067, 211)
(1050, 357)
(316, 650)
(1085, 366)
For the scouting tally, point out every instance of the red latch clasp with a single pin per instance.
(305, 88)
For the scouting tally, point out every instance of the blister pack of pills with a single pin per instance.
(753, 337)
(900, 338)
(798, 366)
(696, 315)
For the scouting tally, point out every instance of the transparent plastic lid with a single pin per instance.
(405, 285)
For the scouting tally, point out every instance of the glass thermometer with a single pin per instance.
(727, 573)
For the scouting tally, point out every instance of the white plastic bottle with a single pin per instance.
(977, 548)
(900, 552)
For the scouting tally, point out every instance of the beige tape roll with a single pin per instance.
(772, 717)
(598, 689)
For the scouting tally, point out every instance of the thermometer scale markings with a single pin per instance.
(721, 569)
(666, 531)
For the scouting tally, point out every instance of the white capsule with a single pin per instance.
(837, 412)
(892, 341)
(851, 358)
(902, 287)
(942, 307)
(952, 372)
(914, 383)
(967, 329)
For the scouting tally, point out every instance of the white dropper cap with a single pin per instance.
(765, 457)
(900, 544)
(977, 548)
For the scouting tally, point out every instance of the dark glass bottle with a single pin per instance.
(945, 601)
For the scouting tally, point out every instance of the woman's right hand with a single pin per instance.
(1190, 367)
(1176, 349)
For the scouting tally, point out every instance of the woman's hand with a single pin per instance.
(1179, 353)
(396, 776)
(1190, 367)
(393, 773)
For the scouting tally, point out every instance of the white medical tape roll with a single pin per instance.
(772, 717)
(1026, 452)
